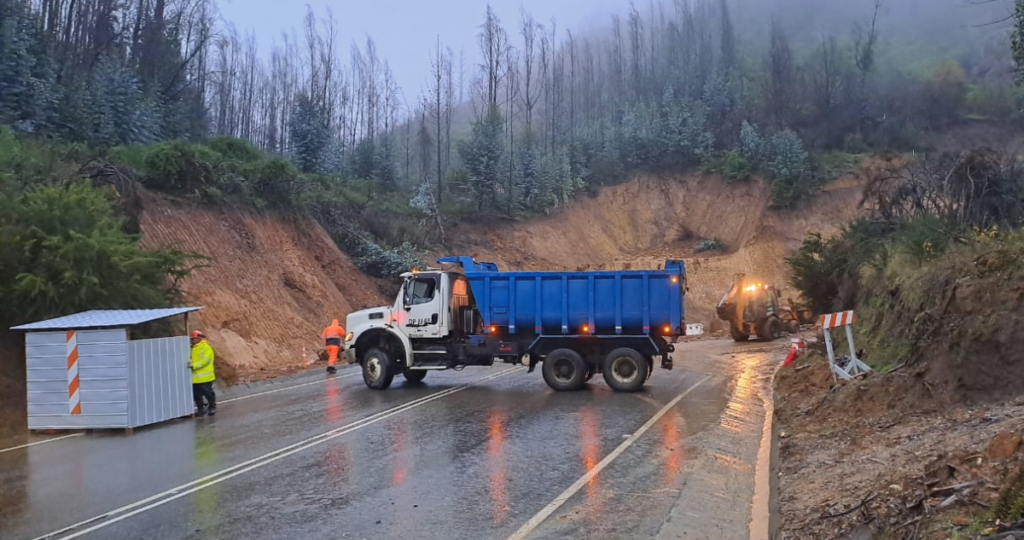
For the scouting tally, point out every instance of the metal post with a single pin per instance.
(831, 354)
(849, 337)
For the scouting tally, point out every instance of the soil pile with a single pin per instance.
(273, 283)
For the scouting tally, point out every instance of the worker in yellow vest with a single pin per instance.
(203, 375)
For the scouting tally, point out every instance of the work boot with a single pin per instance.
(212, 411)
(200, 412)
(331, 370)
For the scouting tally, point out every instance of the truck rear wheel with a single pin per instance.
(626, 370)
(378, 369)
(415, 375)
(564, 370)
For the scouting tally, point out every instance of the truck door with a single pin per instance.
(422, 300)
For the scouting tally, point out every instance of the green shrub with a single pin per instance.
(179, 167)
(832, 165)
(827, 271)
(732, 166)
(236, 149)
(62, 250)
(710, 245)
(993, 101)
(854, 143)
(25, 161)
(387, 263)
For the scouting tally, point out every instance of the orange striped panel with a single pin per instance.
(836, 320)
(74, 382)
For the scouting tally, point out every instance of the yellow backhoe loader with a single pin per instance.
(753, 308)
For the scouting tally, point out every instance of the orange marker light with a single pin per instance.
(586, 329)
(668, 330)
(494, 329)
(675, 279)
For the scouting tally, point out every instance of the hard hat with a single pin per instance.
(196, 334)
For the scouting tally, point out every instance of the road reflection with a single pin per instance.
(738, 407)
(590, 454)
(337, 453)
(672, 441)
(399, 461)
(497, 481)
(204, 516)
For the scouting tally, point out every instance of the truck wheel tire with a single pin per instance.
(415, 375)
(738, 336)
(626, 370)
(776, 328)
(378, 369)
(564, 370)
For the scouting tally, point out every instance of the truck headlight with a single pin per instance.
(348, 337)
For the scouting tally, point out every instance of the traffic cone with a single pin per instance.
(790, 358)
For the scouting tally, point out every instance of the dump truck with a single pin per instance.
(572, 324)
(752, 307)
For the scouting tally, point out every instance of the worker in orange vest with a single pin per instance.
(333, 335)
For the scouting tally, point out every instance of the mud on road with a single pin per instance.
(477, 454)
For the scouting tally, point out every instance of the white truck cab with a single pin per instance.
(412, 333)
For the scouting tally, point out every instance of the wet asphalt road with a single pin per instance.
(483, 453)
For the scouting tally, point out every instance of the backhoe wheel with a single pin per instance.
(378, 369)
(626, 370)
(776, 328)
(738, 335)
(770, 329)
(564, 370)
(415, 375)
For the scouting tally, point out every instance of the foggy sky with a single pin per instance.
(405, 30)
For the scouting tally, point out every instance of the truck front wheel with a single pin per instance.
(564, 370)
(378, 369)
(625, 370)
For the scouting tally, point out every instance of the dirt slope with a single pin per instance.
(641, 223)
(273, 285)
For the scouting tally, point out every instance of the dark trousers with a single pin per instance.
(204, 390)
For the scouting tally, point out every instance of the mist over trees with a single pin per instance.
(540, 113)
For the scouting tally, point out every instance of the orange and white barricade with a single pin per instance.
(846, 367)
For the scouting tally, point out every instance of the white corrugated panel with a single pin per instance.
(161, 382)
(102, 369)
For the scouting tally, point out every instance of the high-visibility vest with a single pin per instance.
(202, 363)
(333, 332)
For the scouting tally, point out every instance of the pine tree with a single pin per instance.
(309, 135)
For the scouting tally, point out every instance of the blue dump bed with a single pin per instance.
(579, 303)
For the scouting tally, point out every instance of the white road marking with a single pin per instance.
(546, 512)
(178, 492)
(41, 442)
(276, 390)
